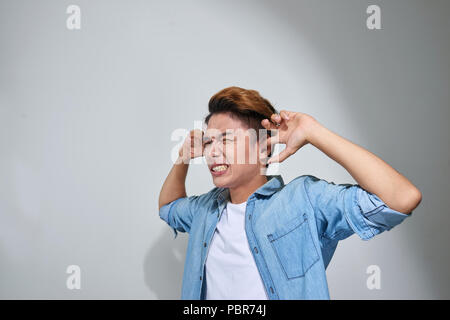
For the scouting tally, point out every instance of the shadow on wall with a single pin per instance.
(164, 265)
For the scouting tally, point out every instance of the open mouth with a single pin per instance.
(219, 169)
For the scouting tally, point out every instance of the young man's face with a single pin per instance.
(231, 145)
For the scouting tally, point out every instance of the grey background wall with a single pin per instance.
(86, 118)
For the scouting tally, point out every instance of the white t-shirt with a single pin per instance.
(231, 272)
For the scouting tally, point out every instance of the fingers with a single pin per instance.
(284, 114)
(197, 133)
(274, 132)
(195, 144)
(268, 125)
(276, 118)
(281, 156)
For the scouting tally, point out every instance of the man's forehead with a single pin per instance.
(235, 133)
(217, 133)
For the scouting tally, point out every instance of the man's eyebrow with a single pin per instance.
(224, 133)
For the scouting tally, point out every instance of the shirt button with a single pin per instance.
(204, 244)
(271, 289)
(200, 277)
(256, 250)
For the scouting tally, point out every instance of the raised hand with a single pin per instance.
(291, 129)
(192, 146)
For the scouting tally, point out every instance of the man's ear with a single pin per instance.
(269, 151)
(265, 151)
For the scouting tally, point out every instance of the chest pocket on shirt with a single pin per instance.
(294, 246)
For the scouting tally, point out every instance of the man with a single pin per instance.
(252, 236)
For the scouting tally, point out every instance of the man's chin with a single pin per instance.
(221, 182)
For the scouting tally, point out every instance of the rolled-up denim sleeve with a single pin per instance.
(344, 209)
(370, 216)
(178, 214)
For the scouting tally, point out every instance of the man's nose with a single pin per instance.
(215, 153)
(215, 149)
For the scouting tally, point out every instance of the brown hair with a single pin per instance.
(246, 105)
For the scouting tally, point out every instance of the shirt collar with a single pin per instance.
(273, 184)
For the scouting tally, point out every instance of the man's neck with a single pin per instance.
(240, 194)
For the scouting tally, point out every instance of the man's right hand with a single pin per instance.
(192, 146)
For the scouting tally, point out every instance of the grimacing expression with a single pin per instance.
(231, 151)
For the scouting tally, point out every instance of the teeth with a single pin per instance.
(219, 168)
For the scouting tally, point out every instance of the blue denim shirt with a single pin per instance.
(292, 231)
